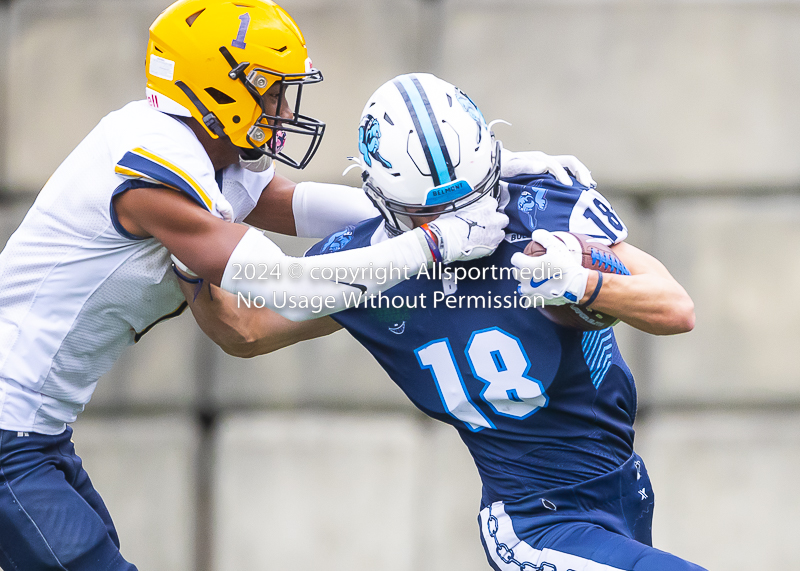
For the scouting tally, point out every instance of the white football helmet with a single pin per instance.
(425, 149)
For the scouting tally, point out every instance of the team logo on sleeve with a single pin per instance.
(338, 241)
(530, 204)
(369, 141)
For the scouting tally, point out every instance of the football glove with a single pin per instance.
(537, 162)
(469, 233)
(557, 276)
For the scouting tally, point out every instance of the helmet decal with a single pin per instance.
(448, 192)
(369, 141)
(469, 106)
(162, 68)
(427, 128)
(240, 35)
(339, 240)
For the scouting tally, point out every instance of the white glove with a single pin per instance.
(557, 276)
(470, 233)
(537, 162)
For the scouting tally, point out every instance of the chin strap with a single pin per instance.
(259, 163)
(209, 119)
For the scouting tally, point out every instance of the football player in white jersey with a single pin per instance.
(88, 272)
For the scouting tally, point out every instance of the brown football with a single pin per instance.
(596, 256)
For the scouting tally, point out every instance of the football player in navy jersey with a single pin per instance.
(546, 411)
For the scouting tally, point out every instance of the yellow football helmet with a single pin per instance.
(214, 60)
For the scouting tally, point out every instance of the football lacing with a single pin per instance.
(606, 261)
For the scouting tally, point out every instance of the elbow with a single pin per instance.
(680, 318)
(684, 315)
(242, 344)
(688, 321)
(253, 346)
(241, 350)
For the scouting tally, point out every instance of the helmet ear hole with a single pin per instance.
(220, 97)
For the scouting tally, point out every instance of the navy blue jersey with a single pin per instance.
(539, 405)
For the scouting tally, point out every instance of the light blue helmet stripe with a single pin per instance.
(429, 133)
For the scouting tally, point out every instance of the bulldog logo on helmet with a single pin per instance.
(369, 140)
(472, 109)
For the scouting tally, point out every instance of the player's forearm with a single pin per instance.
(307, 288)
(247, 332)
(216, 315)
(273, 211)
(650, 302)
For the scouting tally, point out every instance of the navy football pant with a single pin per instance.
(603, 524)
(51, 517)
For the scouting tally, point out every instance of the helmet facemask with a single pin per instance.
(398, 215)
(268, 134)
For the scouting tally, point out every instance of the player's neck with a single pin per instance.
(221, 151)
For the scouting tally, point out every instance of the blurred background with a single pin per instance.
(687, 114)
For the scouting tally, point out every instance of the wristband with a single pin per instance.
(434, 242)
(596, 290)
(183, 277)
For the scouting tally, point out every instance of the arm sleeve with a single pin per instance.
(259, 273)
(322, 209)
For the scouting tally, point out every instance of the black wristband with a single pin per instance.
(197, 282)
(596, 290)
(183, 277)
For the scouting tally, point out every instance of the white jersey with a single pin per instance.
(76, 287)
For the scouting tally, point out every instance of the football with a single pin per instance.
(596, 256)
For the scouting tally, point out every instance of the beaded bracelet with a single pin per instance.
(434, 242)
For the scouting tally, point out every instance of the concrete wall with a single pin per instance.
(311, 457)
(145, 467)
